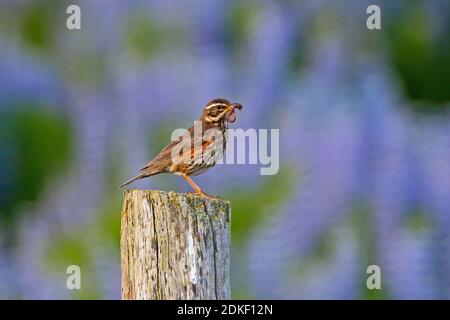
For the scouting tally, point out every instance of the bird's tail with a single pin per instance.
(147, 171)
(139, 176)
(144, 174)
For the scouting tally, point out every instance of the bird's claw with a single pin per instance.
(204, 195)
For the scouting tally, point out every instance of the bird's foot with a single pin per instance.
(204, 195)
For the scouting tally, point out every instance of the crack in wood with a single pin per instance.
(192, 259)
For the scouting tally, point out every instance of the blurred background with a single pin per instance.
(364, 131)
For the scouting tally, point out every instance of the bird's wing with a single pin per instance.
(188, 149)
(165, 155)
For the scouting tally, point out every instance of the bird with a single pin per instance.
(193, 154)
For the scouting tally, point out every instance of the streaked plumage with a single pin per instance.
(214, 120)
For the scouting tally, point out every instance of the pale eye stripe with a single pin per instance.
(215, 105)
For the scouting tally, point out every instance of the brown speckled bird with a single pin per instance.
(201, 155)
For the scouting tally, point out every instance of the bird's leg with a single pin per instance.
(195, 186)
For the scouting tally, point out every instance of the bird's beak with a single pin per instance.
(231, 116)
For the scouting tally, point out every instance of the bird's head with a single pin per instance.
(220, 110)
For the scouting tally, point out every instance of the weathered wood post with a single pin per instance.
(174, 246)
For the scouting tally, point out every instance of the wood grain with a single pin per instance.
(174, 246)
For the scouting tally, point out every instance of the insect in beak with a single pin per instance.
(231, 115)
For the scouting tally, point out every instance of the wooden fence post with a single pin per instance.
(174, 246)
